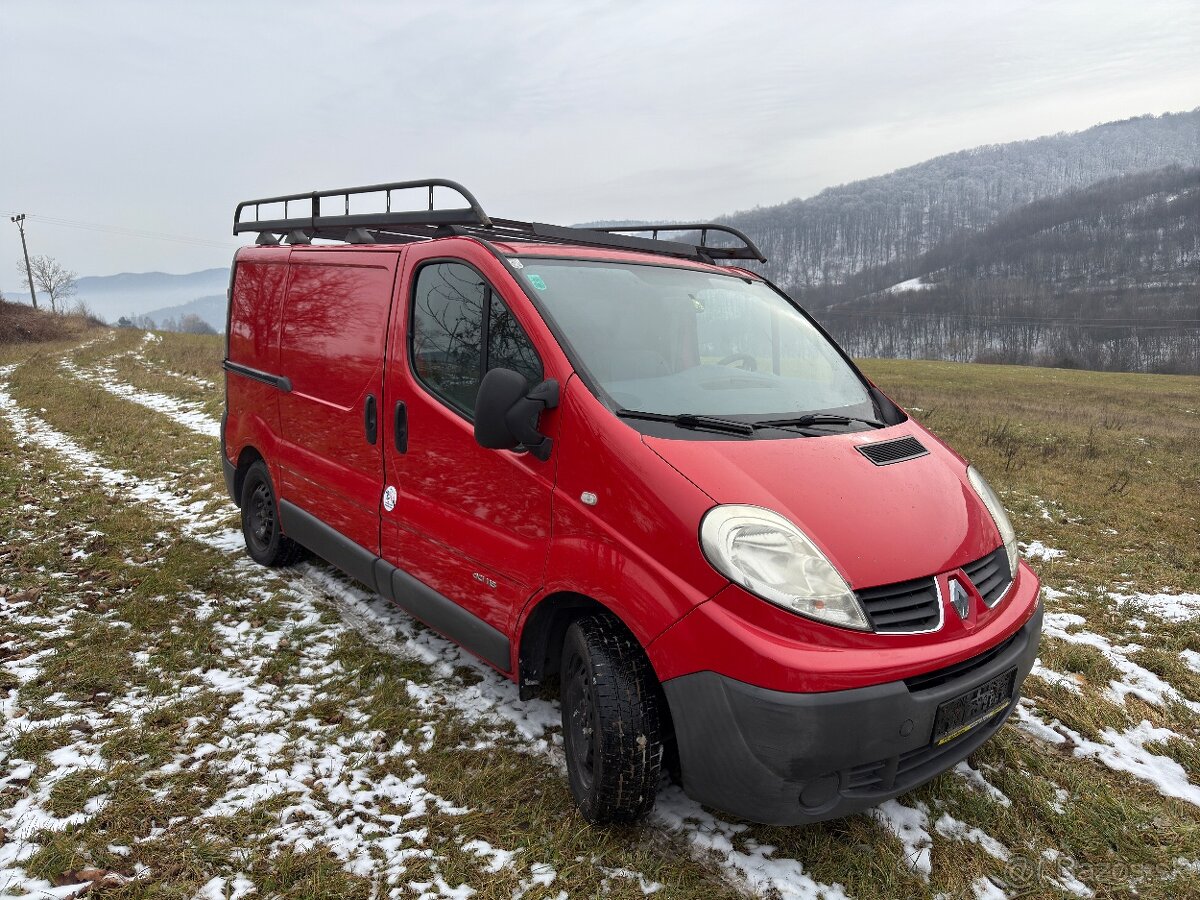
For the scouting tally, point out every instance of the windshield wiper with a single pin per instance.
(690, 420)
(818, 419)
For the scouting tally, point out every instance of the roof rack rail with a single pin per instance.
(316, 221)
(403, 226)
(748, 250)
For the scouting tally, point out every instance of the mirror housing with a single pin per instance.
(507, 411)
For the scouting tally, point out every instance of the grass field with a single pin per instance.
(179, 722)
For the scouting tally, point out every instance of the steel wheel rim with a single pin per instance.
(262, 515)
(581, 722)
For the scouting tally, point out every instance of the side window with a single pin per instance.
(460, 329)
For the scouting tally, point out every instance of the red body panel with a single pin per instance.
(473, 524)
(635, 550)
(331, 340)
(255, 301)
(876, 524)
(738, 635)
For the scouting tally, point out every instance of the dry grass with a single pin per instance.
(21, 324)
(1100, 466)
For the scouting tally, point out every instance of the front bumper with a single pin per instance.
(784, 758)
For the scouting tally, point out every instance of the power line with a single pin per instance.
(141, 234)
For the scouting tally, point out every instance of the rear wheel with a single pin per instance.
(612, 722)
(265, 541)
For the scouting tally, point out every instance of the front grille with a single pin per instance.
(939, 677)
(990, 576)
(905, 606)
(884, 453)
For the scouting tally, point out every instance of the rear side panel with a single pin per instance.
(332, 337)
(252, 404)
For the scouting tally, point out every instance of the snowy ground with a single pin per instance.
(361, 792)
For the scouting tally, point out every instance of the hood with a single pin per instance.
(876, 524)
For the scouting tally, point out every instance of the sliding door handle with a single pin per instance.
(370, 419)
(400, 426)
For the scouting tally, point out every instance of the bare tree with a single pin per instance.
(190, 323)
(50, 278)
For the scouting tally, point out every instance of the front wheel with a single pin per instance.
(265, 541)
(612, 721)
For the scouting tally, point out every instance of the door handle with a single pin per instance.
(370, 419)
(400, 427)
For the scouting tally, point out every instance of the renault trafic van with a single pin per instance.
(616, 463)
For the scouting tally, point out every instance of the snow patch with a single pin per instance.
(1136, 680)
(949, 827)
(912, 284)
(976, 780)
(756, 865)
(1168, 607)
(911, 825)
(1038, 550)
(985, 889)
(1122, 751)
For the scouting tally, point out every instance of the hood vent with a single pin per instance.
(884, 453)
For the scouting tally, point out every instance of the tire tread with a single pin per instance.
(629, 757)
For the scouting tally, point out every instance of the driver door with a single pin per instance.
(471, 523)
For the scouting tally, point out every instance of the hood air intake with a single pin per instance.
(884, 453)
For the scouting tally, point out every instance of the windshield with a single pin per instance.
(672, 340)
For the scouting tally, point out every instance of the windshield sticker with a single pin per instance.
(536, 281)
(517, 264)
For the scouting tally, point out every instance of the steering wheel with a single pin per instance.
(749, 363)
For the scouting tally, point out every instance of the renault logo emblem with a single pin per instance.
(959, 597)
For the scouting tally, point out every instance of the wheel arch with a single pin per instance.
(539, 649)
(248, 457)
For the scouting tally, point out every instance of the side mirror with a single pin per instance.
(507, 411)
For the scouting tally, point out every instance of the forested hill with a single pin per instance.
(822, 241)
(1103, 277)
(1123, 236)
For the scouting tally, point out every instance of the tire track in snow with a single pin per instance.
(186, 413)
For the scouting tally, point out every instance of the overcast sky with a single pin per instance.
(159, 117)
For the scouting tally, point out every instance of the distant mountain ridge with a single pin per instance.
(1101, 277)
(816, 243)
(1138, 230)
(136, 293)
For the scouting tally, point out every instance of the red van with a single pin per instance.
(616, 462)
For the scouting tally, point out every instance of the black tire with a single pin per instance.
(612, 721)
(265, 541)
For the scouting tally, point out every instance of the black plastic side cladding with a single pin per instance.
(415, 597)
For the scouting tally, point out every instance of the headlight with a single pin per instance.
(999, 516)
(773, 559)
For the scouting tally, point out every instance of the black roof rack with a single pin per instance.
(391, 226)
(748, 250)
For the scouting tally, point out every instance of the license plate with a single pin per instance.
(958, 716)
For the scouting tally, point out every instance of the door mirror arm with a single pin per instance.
(507, 412)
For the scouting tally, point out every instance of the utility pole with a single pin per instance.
(20, 222)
